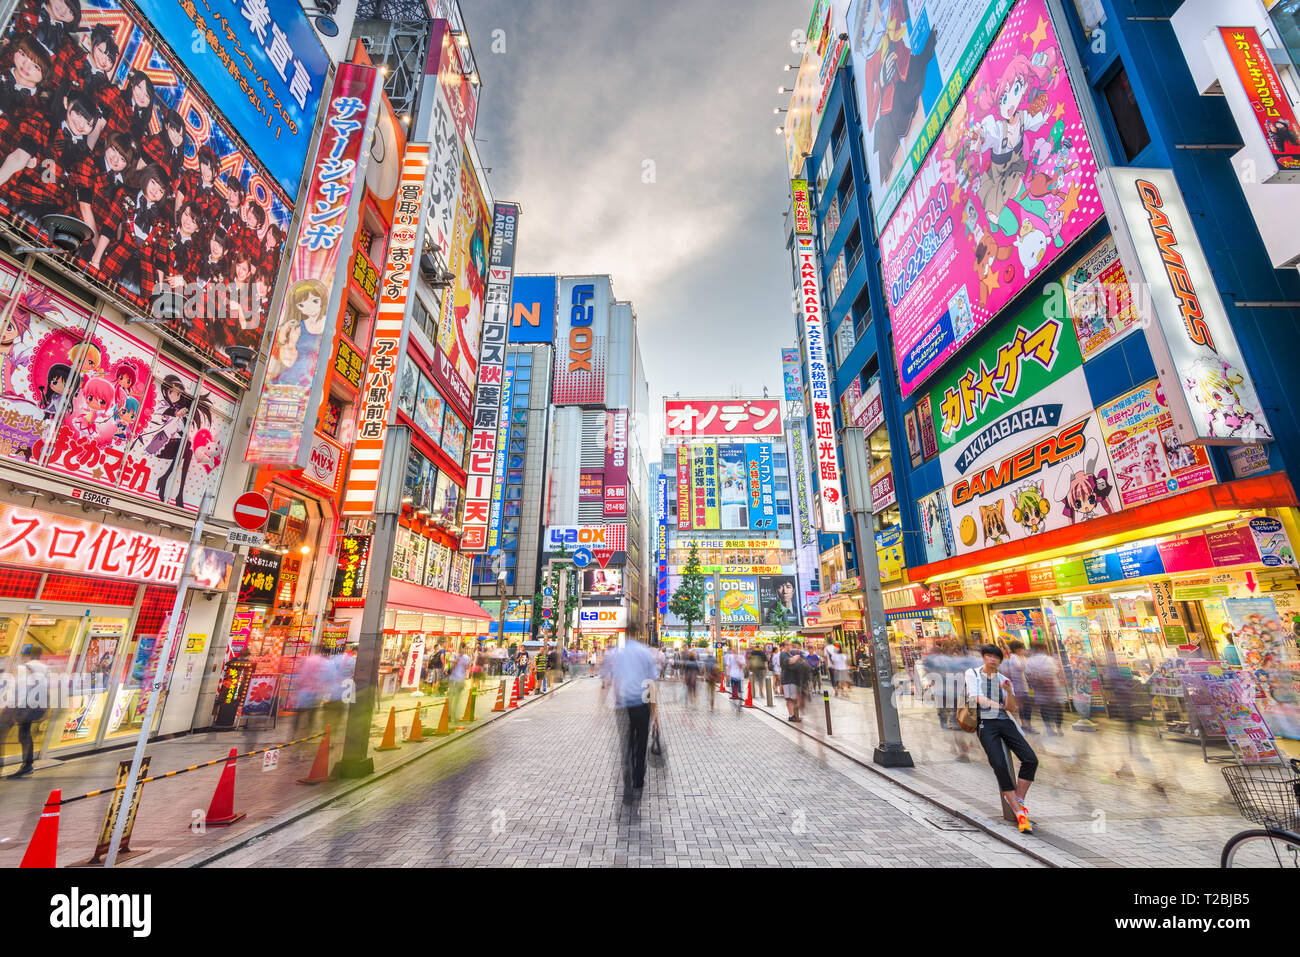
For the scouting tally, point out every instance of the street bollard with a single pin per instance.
(826, 700)
(768, 682)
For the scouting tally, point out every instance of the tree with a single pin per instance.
(779, 617)
(687, 602)
(538, 620)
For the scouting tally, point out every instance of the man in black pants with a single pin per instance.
(633, 670)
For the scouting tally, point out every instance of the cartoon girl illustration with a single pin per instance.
(1029, 508)
(206, 450)
(468, 310)
(202, 444)
(56, 386)
(124, 417)
(13, 329)
(91, 406)
(994, 522)
(164, 439)
(1017, 104)
(988, 251)
(305, 310)
(1086, 492)
(1215, 386)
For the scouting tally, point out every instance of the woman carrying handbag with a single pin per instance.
(994, 721)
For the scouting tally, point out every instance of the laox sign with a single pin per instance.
(580, 337)
(609, 537)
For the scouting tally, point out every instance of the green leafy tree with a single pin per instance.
(538, 620)
(780, 620)
(687, 602)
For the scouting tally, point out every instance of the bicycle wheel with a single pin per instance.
(1262, 848)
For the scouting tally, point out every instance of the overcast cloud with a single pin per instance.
(584, 97)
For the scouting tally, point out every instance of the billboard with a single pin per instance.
(778, 591)
(503, 443)
(532, 309)
(1150, 462)
(737, 418)
(823, 53)
(616, 463)
(739, 603)
(375, 399)
(793, 375)
(911, 61)
(1025, 380)
(733, 483)
(824, 453)
(760, 486)
(461, 320)
(596, 537)
(143, 157)
(936, 527)
(1264, 94)
(581, 331)
(1099, 300)
(602, 582)
(1025, 189)
(294, 373)
(1209, 391)
(684, 501)
(704, 487)
(447, 154)
(591, 487)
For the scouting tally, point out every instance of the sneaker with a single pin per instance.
(792, 718)
(1022, 821)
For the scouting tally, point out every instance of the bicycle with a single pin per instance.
(1268, 795)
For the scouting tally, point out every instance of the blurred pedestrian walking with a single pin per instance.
(632, 670)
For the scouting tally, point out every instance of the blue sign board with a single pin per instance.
(532, 309)
(761, 488)
(582, 557)
(259, 62)
(1123, 564)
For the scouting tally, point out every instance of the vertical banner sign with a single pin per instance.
(503, 443)
(683, 488)
(825, 454)
(800, 476)
(661, 544)
(1268, 101)
(295, 374)
(762, 491)
(375, 400)
(1206, 385)
(712, 510)
(793, 377)
(487, 399)
(699, 513)
(616, 463)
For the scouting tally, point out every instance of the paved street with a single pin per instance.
(542, 788)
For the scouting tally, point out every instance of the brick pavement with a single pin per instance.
(1095, 803)
(544, 790)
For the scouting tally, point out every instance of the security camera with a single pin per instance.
(241, 358)
(66, 232)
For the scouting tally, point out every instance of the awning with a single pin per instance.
(412, 597)
(819, 629)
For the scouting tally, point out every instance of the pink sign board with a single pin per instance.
(1232, 546)
(1185, 553)
(1008, 186)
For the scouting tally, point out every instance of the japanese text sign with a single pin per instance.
(737, 418)
(825, 454)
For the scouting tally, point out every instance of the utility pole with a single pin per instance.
(889, 752)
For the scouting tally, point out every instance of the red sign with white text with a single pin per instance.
(722, 417)
(1277, 121)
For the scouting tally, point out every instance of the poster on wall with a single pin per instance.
(1150, 462)
(739, 602)
(761, 487)
(778, 591)
(1267, 649)
(792, 374)
(704, 487)
(936, 527)
(733, 484)
(1025, 191)
(1099, 300)
(461, 320)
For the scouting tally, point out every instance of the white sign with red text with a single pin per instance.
(826, 455)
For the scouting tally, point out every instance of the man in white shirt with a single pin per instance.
(734, 663)
(632, 670)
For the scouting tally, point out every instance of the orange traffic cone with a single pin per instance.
(221, 812)
(749, 695)
(390, 733)
(469, 706)
(514, 693)
(417, 729)
(320, 768)
(44, 846)
(444, 723)
(528, 687)
(501, 696)
(722, 683)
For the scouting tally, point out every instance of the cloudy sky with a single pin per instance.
(590, 97)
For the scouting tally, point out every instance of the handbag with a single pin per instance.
(656, 747)
(967, 720)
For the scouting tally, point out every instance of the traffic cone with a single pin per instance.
(417, 729)
(722, 683)
(501, 696)
(749, 695)
(514, 693)
(444, 723)
(390, 733)
(320, 768)
(532, 681)
(44, 846)
(469, 707)
(221, 812)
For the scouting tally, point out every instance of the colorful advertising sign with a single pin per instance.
(1061, 479)
(889, 554)
(684, 501)
(761, 500)
(461, 321)
(1099, 300)
(580, 341)
(912, 58)
(823, 53)
(868, 411)
(292, 382)
(881, 479)
(532, 309)
(1264, 92)
(793, 375)
(1265, 643)
(375, 400)
(739, 603)
(140, 136)
(801, 207)
(936, 527)
(591, 487)
(799, 478)
(1025, 190)
(1209, 392)
(503, 443)
(1149, 461)
(447, 62)
(616, 463)
(488, 415)
(1025, 381)
(825, 454)
(733, 483)
(350, 578)
(596, 537)
(704, 487)
(444, 179)
(778, 591)
(735, 418)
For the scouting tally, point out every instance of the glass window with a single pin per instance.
(512, 510)
(1132, 129)
(515, 477)
(453, 437)
(523, 359)
(778, 460)
(523, 372)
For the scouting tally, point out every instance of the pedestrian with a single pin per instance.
(734, 662)
(995, 710)
(774, 660)
(31, 703)
(937, 683)
(633, 672)
(1046, 679)
(553, 675)
(438, 661)
(757, 669)
(1013, 666)
(521, 663)
(457, 678)
(790, 678)
(712, 675)
(691, 675)
(839, 671)
(814, 663)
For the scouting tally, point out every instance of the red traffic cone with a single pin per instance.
(722, 683)
(390, 733)
(749, 695)
(417, 729)
(514, 693)
(221, 812)
(44, 846)
(320, 768)
(501, 696)
(532, 679)
(444, 723)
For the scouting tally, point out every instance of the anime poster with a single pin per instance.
(911, 59)
(453, 438)
(1228, 700)
(1150, 462)
(739, 602)
(1099, 300)
(1081, 672)
(1061, 479)
(462, 312)
(100, 125)
(936, 527)
(1008, 187)
(733, 485)
(1268, 654)
(428, 408)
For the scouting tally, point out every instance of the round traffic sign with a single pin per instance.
(582, 557)
(251, 511)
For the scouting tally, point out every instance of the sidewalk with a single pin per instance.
(1100, 799)
(170, 807)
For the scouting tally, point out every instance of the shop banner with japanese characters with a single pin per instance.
(375, 407)
(616, 463)
(294, 375)
(260, 579)
(733, 482)
(1150, 462)
(1267, 98)
(661, 543)
(683, 488)
(1099, 300)
(704, 487)
(758, 480)
(792, 373)
(1025, 190)
(734, 418)
(488, 397)
(350, 577)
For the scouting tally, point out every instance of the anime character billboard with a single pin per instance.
(1007, 188)
(462, 311)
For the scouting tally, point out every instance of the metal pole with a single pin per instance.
(889, 752)
(826, 700)
(159, 682)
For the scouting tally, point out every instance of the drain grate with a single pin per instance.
(951, 824)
